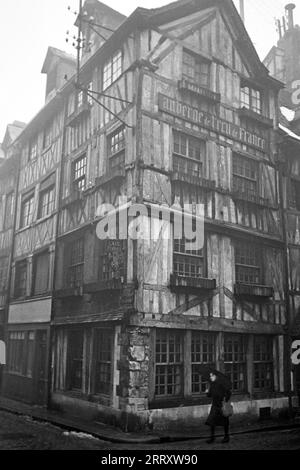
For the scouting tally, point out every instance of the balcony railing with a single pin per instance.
(104, 285)
(253, 290)
(191, 284)
(190, 171)
(77, 115)
(250, 114)
(249, 196)
(117, 172)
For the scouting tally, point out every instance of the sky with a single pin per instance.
(28, 27)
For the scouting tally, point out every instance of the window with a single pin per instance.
(112, 259)
(188, 154)
(247, 263)
(245, 174)
(21, 352)
(168, 364)
(202, 353)
(112, 69)
(76, 263)
(9, 211)
(41, 274)
(116, 148)
(196, 69)
(80, 99)
(187, 263)
(251, 99)
(21, 279)
(47, 136)
(27, 210)
(263, 363)
(235, 361)
(75, 359)
(294, 194)
(33, 148)
(46, 202)
(79, 173)
(3, 273)
(104, 348)
(89, 97)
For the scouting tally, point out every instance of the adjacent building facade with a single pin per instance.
(172, 107)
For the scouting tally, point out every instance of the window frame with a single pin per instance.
(109, 73)
(20, 276)
(261, 364)
(9, 214)
(192, 64)
(250, 100)
(72, 350)
(183, 162)
(79, 174)
(24, 355)
(237, 362)
(243, 267)
(26, 198)
(240, 179)
(173, 369)
(50, 205)
(116, 148)
(106, 364)
(33, 150)
(210, 339)
(75, 266)
(35, 275)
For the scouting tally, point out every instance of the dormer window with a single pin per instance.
(251, 98)
(196, 69)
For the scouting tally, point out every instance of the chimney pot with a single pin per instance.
(289, 8)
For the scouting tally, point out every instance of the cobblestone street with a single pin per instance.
(23, 433)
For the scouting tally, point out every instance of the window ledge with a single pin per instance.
(69, 292)
(191, 284)
(253, 199)
(118, 172)
(193, 180)
(112, 284)
(199, 90)
(75, 117)
(253, 290)
(248, 113)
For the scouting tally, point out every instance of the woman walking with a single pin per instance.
(219, 391)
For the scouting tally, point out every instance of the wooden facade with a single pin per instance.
(173, 109)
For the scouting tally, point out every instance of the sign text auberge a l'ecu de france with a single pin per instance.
(209, 121)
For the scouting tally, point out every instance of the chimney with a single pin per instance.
(289, 10)
(242, 10)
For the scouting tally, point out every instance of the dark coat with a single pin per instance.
(218, 393)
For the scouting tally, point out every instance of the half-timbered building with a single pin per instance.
(8, 185)
(35, 231)
(172, 107)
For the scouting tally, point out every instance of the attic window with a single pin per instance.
(251, 98)
(196, 69)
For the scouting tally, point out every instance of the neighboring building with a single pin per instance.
(9, 170)
(29, 314)
(184, 113)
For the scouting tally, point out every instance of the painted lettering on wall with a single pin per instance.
(209, 121)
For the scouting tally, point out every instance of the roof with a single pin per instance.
(13, 131)
(143, 18)
(54, 52)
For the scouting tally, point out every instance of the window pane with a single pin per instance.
(104, 347)
(235, 361)
(75, 359)
(169, 364)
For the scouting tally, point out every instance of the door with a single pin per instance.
(42, 367)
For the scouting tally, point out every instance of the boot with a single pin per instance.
(225, 439)
(211, 440)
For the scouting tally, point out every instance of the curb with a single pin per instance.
(70, 426)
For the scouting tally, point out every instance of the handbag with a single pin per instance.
(227, 409)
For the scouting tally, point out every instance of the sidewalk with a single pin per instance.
(115, 435)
